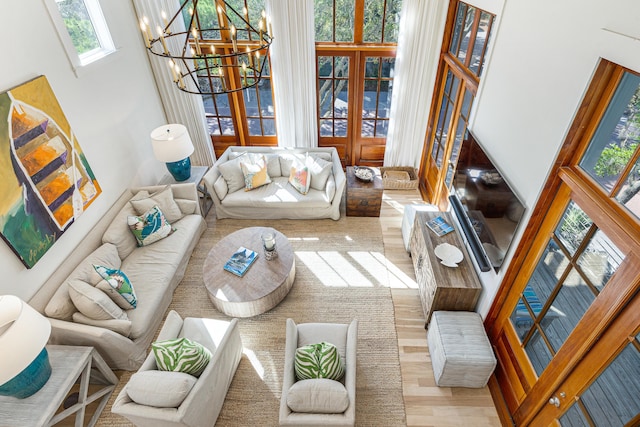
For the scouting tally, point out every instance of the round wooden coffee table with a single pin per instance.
(262, 287)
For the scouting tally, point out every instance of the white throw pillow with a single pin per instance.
(161, 389)
(320, 171)
(232, 174)
(94, 303)
(318, 396)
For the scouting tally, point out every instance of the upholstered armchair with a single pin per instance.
(316, 405)
(160, 398)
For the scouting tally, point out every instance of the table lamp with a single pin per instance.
(172, 145)
(24, 361)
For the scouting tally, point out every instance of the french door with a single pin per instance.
(354, 101)
(566, 323)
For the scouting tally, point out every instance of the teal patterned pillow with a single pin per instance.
(181, 355)
(149, 227)
(320, 360)
(120, 289)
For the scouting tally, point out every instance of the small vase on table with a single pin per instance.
(269, 245)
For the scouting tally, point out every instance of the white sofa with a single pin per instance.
(203, 402)
(154, 270)
(278, 199)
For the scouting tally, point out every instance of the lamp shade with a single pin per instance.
(171, 143)
(23, 335)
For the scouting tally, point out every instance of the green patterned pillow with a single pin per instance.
(117, 285)
(181, 355)
(320, 360)
(149, 227)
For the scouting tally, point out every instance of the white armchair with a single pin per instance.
(203, 401)
(345, 338)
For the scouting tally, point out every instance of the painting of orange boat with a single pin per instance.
(45, 178)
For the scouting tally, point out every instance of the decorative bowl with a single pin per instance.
(364, 173)
(448, 254)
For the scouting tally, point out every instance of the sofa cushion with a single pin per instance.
(232, 174)
(181, 355)
(319, 396)
(320, 171)
(299, 177)
(149, 227)
(160, 388)
(187, 207)
(163, 199)
(254, 169)
(320, 360)
(220, 187)
(117, 286)
(279, 192)
(60, 306)
(119, 326)
(119, 234)
(152, 269)
(93, 303)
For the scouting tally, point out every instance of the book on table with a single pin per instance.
(440, 226)
(240, 261)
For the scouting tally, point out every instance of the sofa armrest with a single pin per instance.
(104, 340)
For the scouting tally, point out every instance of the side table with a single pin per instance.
(197, 174)
(363, 198)
(69, 364)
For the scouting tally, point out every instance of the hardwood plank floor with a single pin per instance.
(426, 404)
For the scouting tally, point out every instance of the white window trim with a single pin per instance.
(107, 47)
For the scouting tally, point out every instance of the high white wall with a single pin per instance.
(542, 60)
(112, 107)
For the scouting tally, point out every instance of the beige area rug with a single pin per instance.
(340, 275)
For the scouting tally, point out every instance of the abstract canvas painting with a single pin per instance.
(45, 179)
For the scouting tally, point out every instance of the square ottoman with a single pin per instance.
(461, 354)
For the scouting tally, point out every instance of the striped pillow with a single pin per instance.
(181, 355)
(320, 360)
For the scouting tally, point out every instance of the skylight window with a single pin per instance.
(82, 30)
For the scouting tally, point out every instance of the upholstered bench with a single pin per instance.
(461, 354)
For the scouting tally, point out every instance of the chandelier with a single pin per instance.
(219, 50)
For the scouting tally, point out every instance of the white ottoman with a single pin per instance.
(461, 354)
(409, 217)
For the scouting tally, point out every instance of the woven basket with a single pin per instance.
(390, 183)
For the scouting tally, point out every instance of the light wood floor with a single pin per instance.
(426, 404)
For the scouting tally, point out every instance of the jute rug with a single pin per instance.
(340, 276)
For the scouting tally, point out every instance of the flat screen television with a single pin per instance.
(488, 210)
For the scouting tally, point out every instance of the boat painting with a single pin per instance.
(45, 179)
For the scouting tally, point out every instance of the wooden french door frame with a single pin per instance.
(434, 176)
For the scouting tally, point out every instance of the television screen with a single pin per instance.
(490, 210)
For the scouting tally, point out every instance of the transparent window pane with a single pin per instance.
(345, 12)
(392, 21)
(388, 65)
(372, 67)
(612, 400)
(341, 103)
(600, 260)
(368, 127)
(467, 102)
(373, 15)
(250, 103)
(78, 22)
(326, 97)
(538, 352)
(466, 34)
(266, 98)
(384, 99)
(269, 127)
(326, 127)
(616, 139)
(457, 29)
(382, 127)
(434, 149)
(325, 66)
(222, 101)
(213, 125)
(574, 418)
(226, 124)
(480, 43)
(369, 99)
(341, 67)
(340, 128)
(573, 300)
(209, 108)
(573, 227)
(628, 193)
(323, 11)
(254, 127)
